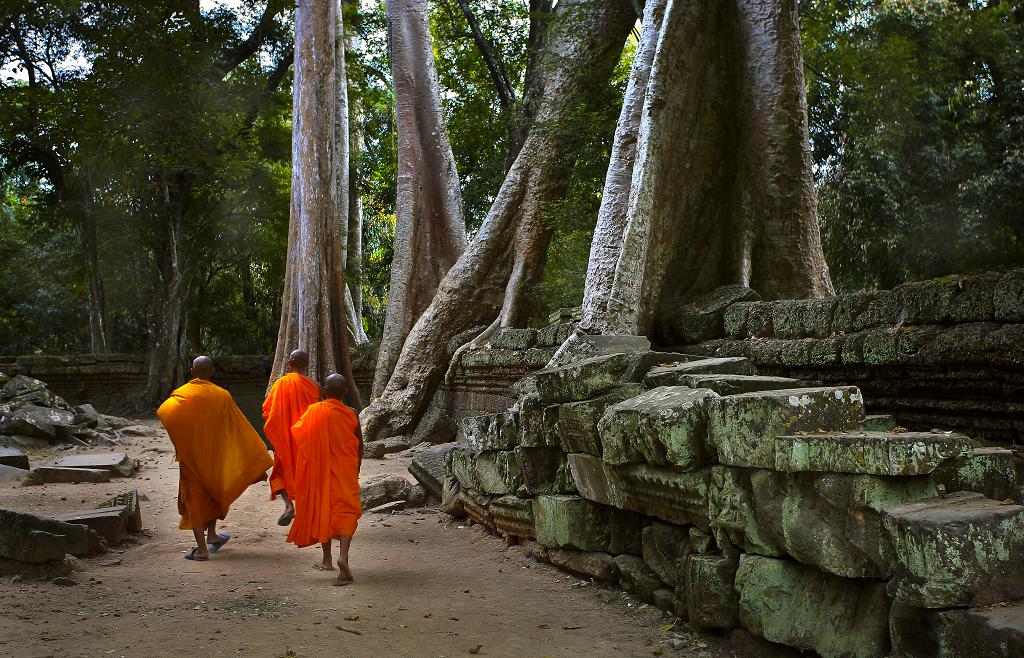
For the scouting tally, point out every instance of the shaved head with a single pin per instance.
(335, 387)
(298, 361)
(202, 367)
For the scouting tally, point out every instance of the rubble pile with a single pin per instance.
(738, 500)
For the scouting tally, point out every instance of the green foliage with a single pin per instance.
(917, 121)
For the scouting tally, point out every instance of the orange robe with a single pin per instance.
(218, 452)
(287, 400)
(326, 474)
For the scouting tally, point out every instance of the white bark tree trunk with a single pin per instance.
(430, 230)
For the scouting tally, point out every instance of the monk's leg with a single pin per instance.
(211, 532)
(345, 574)
(289, 506)
(326, 562)
(203, 550)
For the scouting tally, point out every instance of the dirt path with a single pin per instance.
(425, 586)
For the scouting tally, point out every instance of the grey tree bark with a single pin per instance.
(313, 308)
(721, 189)
(430, 230)
(488, 284)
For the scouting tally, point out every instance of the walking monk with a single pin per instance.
(218, 452)
(329, 447)
(287, 400)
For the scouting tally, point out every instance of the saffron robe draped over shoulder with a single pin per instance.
(326, 474)
(218, 451)
(287, 400)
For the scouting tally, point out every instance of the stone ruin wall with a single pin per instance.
(707, 483)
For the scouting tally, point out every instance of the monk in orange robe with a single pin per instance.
(219, 455)
(287, 400)
(329, 447)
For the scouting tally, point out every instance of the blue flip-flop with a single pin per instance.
(216, 546)
(191, 555)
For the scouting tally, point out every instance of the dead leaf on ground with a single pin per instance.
(352, 618)
(349, 630)
(543, 626)
(571, 628)
(666, 627)
(476, 649)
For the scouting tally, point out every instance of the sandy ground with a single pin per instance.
(425, 586)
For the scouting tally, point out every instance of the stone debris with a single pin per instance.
(59, 475)
(382, 489)
(428, 467)
(14, 458)
(118, 464)
(377, 449)
(35, 540)
(11, 476)
(35, 418)
(113, 520)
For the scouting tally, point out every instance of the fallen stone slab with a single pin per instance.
(993, 632)
(711, 599)
(582, 380)
(14, 458)
(665, 549)
(86, 416)
(35, 540)
(118, 464)
(736, 384)
(29, 442)
(599, 566)
(674, 375)
(32, 420)
(577, 421)
(110, 523)
(417, 449)
(874, 453)
(742, 428)
(12, 477)
(642, 362)
(667, 494)
(988, 471)
(388, 508)
(513, 517)
(382, 489)
(637, 578)
(580, 347)
(956, 551)
(666, 426)
(576, 523)
(789, 603)
(377, 449)
(428, 467)
(58, 475)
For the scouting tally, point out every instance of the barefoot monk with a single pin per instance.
(218, 452)
(287, 400)
(329, 446)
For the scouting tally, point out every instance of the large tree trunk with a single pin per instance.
(85, 219)
(354, 250)
(430, 230)
(489, 281)
(721, 190)
(313, 302)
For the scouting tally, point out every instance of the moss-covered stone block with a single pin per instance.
(961, 550)
(736, 384)
(1008, 297)
(459, 465)
(498, 472)
(576, 523)
(988, 471)
(554, 335)
(874, 453)
(711, 598)
(491, 431)
(701, 542)
(577, 421)
(789, 603)
(666, 426)
(545, 471)
(591, 564)
(637, 578)
(582, 380)
(513, 338)
(994, 632)
(742, 428)
(665, 547)
(673, 375)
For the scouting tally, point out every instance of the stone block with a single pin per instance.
(789, 603)
(35, 540)
(711, 599)
(498, 472)
(874, 453)
(736, 384)
(701, 542)
(702, 319)
(642, 362)
(577, 421)
(582, 347)
(667, 494)
(576, 523)
(1008, 298)
(803, 318)
(735, 320)
(119, 464)
(86, 416)
(665, 548)
(554, 335)
(596, 565)
(545, 471)
(512, 338)
(513, 517)
(537, 424)
(428, 467)
(56, 475)
(477, 508)
(12, 477)
(581, 380)
(961, 550)
(988, 471)
(665, 599)
(995, 632)
(451, 499)
(878, 423)
(831, 521)
(32, 420)
(382, 489)
(14, 458)
(459, 465)
(673, 375)
(112, 521)
(637, 578)
(491, 432)
(742, 428)
(666, 426)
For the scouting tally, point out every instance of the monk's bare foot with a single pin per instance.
(344, 575)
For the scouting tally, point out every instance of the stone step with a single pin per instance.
(989, 471)
(876, 453)
(673, 375)
(956, 551)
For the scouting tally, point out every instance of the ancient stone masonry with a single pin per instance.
(739, 499)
